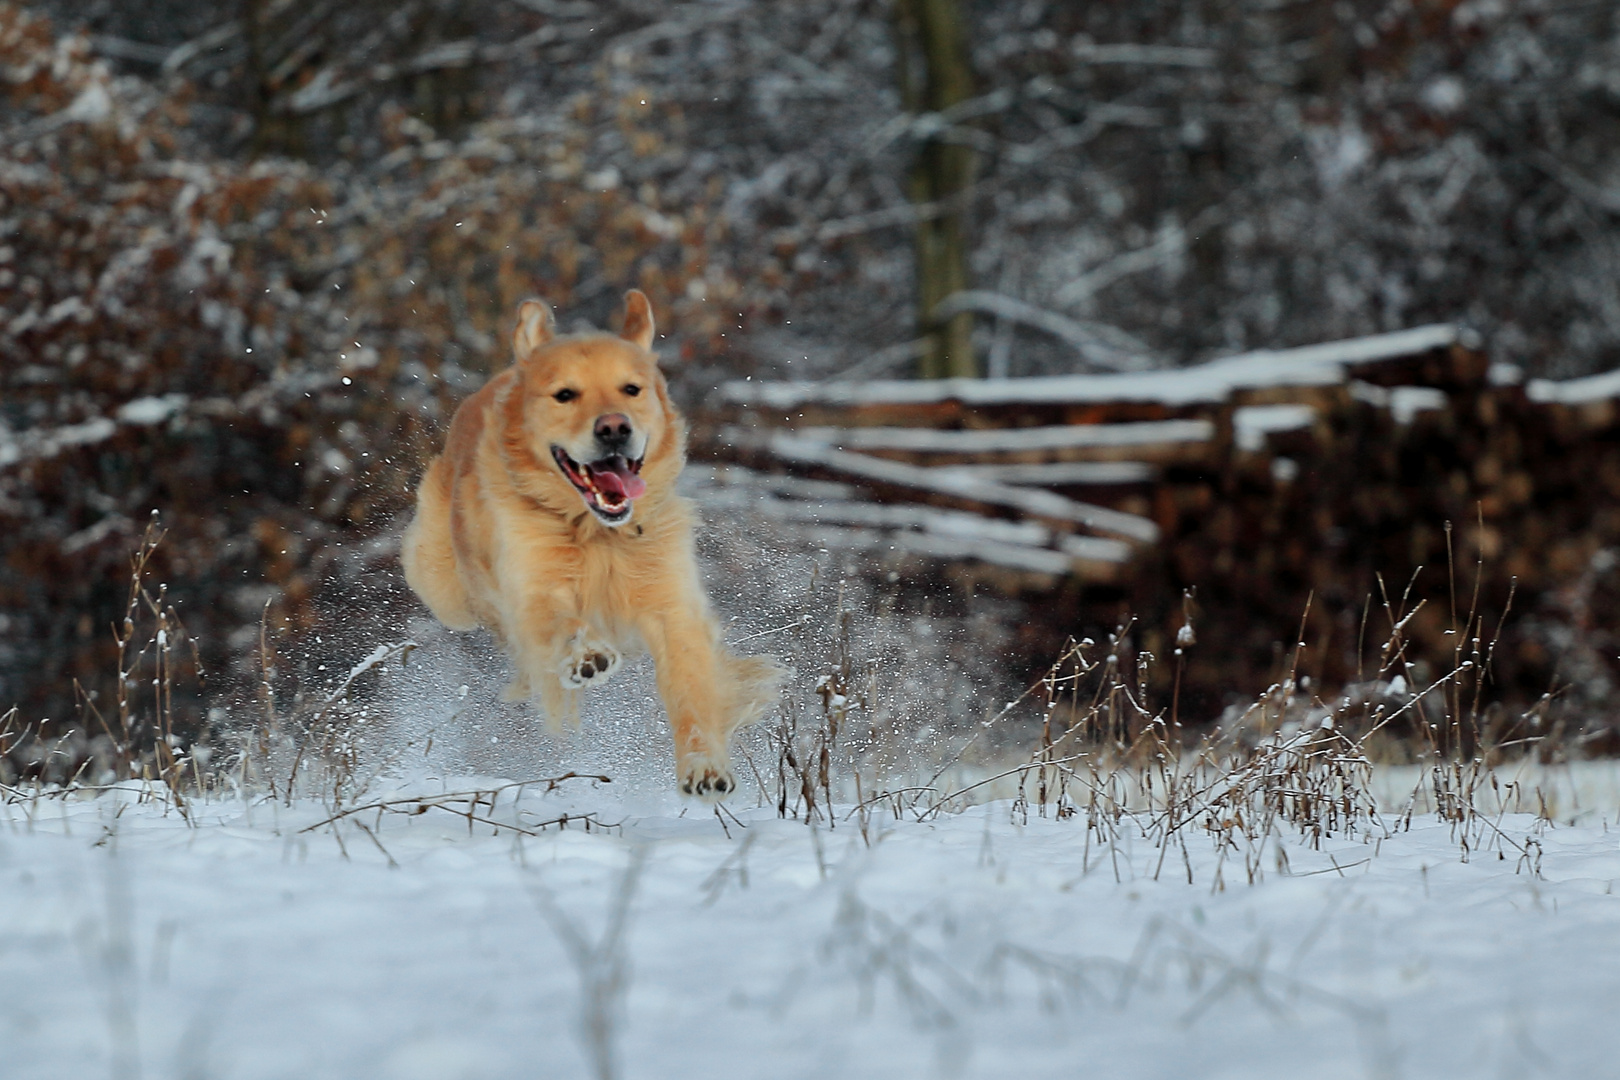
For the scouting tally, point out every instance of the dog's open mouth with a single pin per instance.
(608, 485)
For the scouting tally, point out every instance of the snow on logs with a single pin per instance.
(1439, 355)
(945, 484)
(828, 515)
(1105, 478)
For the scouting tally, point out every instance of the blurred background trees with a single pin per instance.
(936, 80)
(251, 256)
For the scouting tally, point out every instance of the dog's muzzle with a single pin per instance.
(609, 485)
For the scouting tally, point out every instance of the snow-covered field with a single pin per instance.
(134, 943)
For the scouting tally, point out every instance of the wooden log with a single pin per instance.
(1459, 366)
(1089, 550)
(1065, 473)
(698, 475)
(952, 534)
(1161, 441)
(950, 414)
(1589, 404)
(955, 523)
(1252, 425)
(1047, 506)
(1053, 565)
(1371, 359)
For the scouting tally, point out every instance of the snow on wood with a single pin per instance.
(942, 439)
(380, 655)
(95, 534)
(698, 476)
(1252, 423)
(908, 516)
(1604, 387)
(48, 442)
(1059, 473)
(951, 548)
(1391, 346)
(839, 521)
(1403, 402)
(1206, 384)
(1096, 549)
(787, 447)
(151, 410)
(1013, 440)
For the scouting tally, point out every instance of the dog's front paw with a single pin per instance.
(705, 776)
(589, 664)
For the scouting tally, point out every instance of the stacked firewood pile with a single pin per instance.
(1306, 484)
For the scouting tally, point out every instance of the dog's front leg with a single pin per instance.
(551, 649)
(687, 652)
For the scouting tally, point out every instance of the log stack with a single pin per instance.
(1261, 480)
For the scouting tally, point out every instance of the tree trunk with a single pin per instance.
(934, 75)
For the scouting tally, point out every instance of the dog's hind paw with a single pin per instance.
(706, 777)
(517, 690)
(589, 664)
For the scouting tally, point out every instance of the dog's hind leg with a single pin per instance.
(754, 685)
(429, 557)
(560, 703)
(519, 689)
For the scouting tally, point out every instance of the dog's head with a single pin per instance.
(595, 411)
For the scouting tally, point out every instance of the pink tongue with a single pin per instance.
(618, 481)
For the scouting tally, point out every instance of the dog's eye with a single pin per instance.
(631, 389)
(565, 395)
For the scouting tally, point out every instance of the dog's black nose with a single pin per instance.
(613, 431)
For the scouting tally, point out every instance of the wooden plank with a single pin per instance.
(1252, 424)
(699, 474)
(1012, 440)
(1583, 391)
(1047, 505)
(828, 514)
(956, 523)
(1204, 384)
(1065, 473)
(946, 548)
(1095, 548)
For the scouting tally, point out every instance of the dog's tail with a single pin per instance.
(757, 682)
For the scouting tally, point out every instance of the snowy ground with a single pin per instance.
(134, 944)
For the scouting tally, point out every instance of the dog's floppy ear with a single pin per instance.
(638, 319)
(535, 326)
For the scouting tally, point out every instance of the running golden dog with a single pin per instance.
(552, 519)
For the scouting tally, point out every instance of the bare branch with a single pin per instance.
(213, 39)
(1153, 255)
(1090, 340)
(1606, 199)
(326, 90)
(1155, 55)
